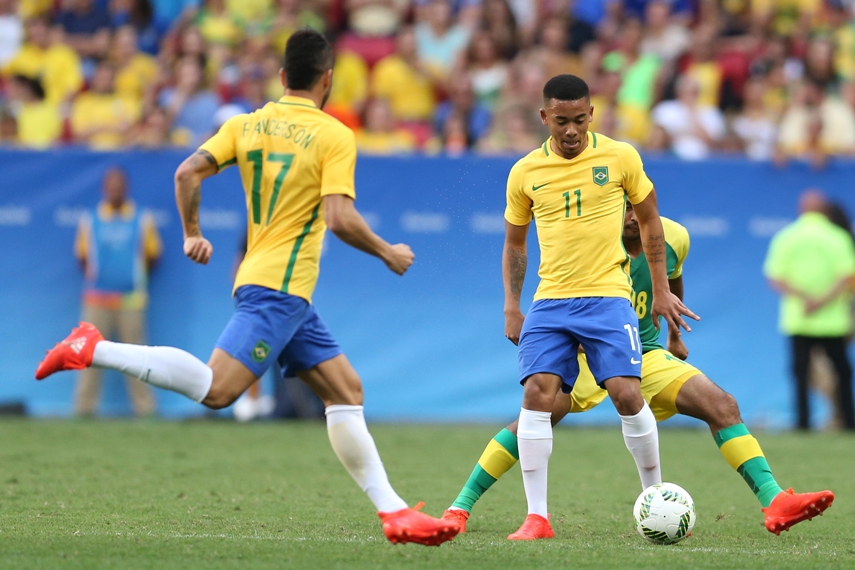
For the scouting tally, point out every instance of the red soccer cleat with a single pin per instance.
(790, 508)
(535, 527)
(456, 516)
(409, 525)
(73, 353)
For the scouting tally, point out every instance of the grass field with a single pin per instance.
(199, 494)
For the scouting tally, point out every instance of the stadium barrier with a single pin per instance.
(429, 345)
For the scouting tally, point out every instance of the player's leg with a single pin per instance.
(609, 334)
(801, 349)
(699, 397)
(131, 325)
(88, 387)
(315, 357)
(498, 457)
(263, 322)
(835, 348)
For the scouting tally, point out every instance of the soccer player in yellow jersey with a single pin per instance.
(670, 386)
(575, 187)
(297, 166)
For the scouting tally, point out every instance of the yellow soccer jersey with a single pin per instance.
(578, 208)
(290, 154)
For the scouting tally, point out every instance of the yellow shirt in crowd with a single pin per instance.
(409, 92)
(133, 79)
(103, 110)
(39, 124)
(58, 68)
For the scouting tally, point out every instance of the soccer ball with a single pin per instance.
(664, 514)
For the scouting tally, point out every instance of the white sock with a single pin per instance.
(534, 436)
(161, 366)
(642, 440)
(355, 448)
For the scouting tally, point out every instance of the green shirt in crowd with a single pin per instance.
(812, 255)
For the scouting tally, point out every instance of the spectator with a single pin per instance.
(101, 118)
(811, 263)
(819, 63)
(373, 24)
(253, 94)
(439, 41)
(11, 31)
(190, 104)
(510, 134)
(117, 244)
(815, 126)
(39, 123)
(86, 26)
(639, 72)
(379, 135)
(45, 57)
(755, 126)
(587, 17)
(218, 25)
(552, 52)
(664, 38)
(8, 128)
(136, 71)
(692, 128)
(140, 16)
(289, 16)
(500, 24)
(625, 123)
(454, 139)
(349, 90)
(461, 105)
(154, 132)
(169, 13)
(487, 71)
(703, 67)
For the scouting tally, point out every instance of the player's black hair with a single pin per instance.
(566, 88)
(308, 55)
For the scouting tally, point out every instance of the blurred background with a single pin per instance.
(736, 105)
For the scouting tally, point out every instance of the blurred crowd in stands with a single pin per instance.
(772, 79)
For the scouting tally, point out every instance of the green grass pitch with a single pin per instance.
(199, 494)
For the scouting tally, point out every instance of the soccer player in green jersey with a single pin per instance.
(670, 386)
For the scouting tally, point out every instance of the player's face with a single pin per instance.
(630, 225)
(568, 124)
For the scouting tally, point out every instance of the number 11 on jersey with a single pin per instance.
(578, 194)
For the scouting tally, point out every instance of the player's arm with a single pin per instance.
(188, 195)
(349, 226)
(665, 303)
(514, 264)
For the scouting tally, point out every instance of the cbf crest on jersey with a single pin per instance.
(601, 175)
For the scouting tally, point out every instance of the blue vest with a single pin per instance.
(116, 255)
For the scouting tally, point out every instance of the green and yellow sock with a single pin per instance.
(500, 455)
(742, 451)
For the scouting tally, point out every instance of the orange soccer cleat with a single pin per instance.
(790, 508)
(456, 516)
(535, 527)
(73, 353)
(409, 525)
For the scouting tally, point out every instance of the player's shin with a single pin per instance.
(642, 440)
(743, 453)
(499, 456)
(535, 446)
(355, 448)
(161, 366)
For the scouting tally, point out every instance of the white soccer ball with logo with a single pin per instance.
(664, 513)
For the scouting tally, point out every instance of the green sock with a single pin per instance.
(742, 451)
(500, 455)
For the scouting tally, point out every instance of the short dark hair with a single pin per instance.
(308, 55)
(566, 88)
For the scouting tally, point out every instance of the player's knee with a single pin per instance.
(726, 409)
(539, 392)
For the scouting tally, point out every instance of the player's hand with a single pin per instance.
(198, 249)
(671, 308)
(400, 258)
(677, 347)
(513, 325)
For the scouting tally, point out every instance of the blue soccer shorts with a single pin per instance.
(606, 327)
(270, 326)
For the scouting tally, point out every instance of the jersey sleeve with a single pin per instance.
(635, 181)
(222, 145)
(677, 237)
(338, 162)
(518, 208)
